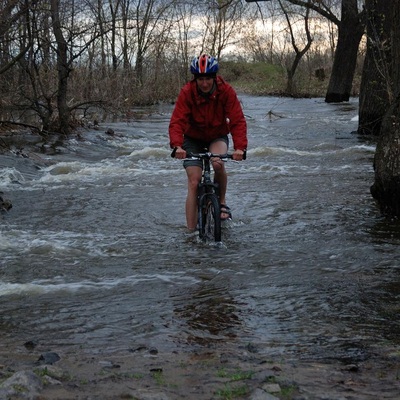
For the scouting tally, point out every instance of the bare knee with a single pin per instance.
(194, 177)
(193, 183)
(218, 166)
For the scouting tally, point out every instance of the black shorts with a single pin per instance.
(198, 146)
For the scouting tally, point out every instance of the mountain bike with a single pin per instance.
(208, 205)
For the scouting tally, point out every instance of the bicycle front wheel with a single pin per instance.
(211, 219)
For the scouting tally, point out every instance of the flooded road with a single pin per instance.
(94, 254)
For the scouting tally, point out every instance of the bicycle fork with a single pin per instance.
(207, 191)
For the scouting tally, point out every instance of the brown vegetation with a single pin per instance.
(61, 65)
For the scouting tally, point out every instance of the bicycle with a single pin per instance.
(208, 205)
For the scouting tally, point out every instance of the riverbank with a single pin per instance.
(222, 372)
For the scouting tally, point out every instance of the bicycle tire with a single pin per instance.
(210, 218)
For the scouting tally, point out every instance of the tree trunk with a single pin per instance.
(62, 70)
(376, 92)
(290, 86)
(114, 9)
(386, 187)
(350, 31)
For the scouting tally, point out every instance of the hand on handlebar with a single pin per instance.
(239, 155)
(179, 153)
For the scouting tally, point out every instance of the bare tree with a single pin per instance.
(125, 5)
(299, 53)
(386, 187)
(71, 54)
(183, 51)
(15, 43)
(147, 17)
(13, 15)
(351, 27)
(350, 30)
(222, 20)
(63, 68)
(61, 35)
(376, 93)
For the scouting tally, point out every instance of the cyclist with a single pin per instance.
(206, 111)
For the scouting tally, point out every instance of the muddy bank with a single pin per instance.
(225, 372)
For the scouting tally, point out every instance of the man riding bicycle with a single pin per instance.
(206, 111)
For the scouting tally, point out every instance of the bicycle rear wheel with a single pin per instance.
(210, 218)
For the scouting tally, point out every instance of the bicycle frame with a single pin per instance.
(206, 182)
(208, 205)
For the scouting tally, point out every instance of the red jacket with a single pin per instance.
(208, 119)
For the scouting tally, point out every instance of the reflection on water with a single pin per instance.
(382, 307)
(386, 231)
(208, 313)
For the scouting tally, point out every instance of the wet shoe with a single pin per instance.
(225, 212)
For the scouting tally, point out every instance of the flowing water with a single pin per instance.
(94, 254)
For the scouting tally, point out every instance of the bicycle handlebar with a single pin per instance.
(208, 155)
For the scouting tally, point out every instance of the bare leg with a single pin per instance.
(194, 177)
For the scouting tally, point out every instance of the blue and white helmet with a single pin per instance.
(204, 65)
